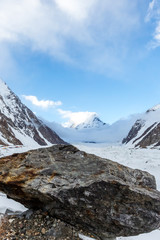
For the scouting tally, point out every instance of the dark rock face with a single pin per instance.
(134, 131)
(17, 122)
(91, 193)
(150, 136)
(146, 131)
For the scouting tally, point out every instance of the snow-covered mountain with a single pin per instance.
(19, 125)
(92, 121)
(146, 130)
(98, 133)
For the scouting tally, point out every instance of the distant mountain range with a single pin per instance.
(146, 130)
(19, 125)
(94, 130)
(139, 130)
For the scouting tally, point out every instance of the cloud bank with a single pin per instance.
(154, 14)
(75, 118)
(42, 103)
(91, 34)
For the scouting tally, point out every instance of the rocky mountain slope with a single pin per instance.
(146, 130)
(19, 125)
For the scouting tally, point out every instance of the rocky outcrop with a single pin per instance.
(146, 130)
(19, 125)
(91, 193)
(134, 131)
(151, 137)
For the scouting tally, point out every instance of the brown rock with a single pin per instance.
(91, 193)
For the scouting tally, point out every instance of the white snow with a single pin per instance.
(4, 91)
(6, 203)
(76, 118)
(9, 150)
(25, 139)
(92, 121)
(83, 237)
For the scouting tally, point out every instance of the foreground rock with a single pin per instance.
(86, 191)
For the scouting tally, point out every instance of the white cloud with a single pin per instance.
(75, 8)
(75, 118)
(95, 29)
(154, 14)
(42, 103)
(150, 10)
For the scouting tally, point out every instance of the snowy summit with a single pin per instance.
(19, 125)
(91, 121)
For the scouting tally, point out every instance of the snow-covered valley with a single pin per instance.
(144, 159)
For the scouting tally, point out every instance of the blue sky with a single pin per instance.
(63, 57)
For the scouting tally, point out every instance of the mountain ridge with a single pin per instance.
(146, 131)
(19, 125)
(113, 133)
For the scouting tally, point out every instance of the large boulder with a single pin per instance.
(100, 196)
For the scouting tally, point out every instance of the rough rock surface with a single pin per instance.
(91, 193)
(149, 137)
(134, 131)
(36, 225)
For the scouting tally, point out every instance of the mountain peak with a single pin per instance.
(154, 108)
(4, 89)
(92, 121)
(19, 125)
